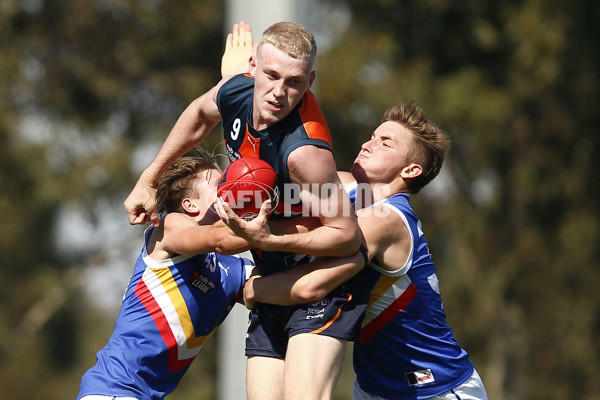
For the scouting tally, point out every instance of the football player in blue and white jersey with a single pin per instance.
(178, 295)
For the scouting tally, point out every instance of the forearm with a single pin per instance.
(192, 127)
(322, 195)
(326, 241)
(305, 283)
(225, 241)
(182, 237)
(293, 225)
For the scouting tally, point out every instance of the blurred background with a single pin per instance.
(90, 89)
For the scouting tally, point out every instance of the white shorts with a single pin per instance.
(471, 389)
(97, 397)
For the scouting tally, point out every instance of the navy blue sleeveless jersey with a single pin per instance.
(304, 126)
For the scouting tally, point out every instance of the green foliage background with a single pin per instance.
(87, 87)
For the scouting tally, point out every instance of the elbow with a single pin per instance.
(349, 243)
(220, 249)
(227, 244)
(307, 293)
(356, 240)
(218, 243)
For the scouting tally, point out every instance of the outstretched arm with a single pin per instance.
(338, 234)
(194, 124)
(182, 235)
(322, 192)
(386, 239)
(304, 283)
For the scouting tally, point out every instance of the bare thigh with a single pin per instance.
(264, 378)
(312, 366)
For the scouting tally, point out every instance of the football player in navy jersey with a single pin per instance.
(406, 349)
(270, 113)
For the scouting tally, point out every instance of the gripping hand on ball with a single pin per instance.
(255, 231)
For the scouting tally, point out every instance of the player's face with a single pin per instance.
(382, 158)
(207, 190)
(280, 83)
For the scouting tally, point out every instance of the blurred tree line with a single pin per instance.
(89, 90)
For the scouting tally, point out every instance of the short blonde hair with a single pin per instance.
(430, 142)
(292, 39)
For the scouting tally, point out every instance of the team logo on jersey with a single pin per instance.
(232, 154)
(316, 309)
(202, 283)
(421, 377)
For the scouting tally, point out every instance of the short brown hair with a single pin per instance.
(431, 143)
(178, 181)
(292, 39)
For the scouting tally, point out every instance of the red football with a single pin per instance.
(246, 184)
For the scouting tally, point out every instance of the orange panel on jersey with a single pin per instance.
(313, 119)
(250, 147)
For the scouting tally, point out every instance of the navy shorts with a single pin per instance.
(338, 315)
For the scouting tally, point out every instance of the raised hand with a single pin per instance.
(238, 50)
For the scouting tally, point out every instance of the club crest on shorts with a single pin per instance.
(316, 309)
